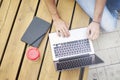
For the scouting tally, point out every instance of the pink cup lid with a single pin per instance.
(33, 53)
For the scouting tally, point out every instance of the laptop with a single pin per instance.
(73, 52)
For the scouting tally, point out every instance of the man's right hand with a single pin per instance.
(62, 28)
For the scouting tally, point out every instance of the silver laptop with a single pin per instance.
(74, 51)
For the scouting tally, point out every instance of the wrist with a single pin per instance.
(96, 22)
(55, 17)
(97, 19)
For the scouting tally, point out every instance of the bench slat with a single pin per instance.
(7, 16)
(15, 47)
(85, 75)
(4, 11)
(80, 18)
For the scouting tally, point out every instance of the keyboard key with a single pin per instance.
(72, 48)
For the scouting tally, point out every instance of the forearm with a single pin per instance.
(99, 7)
(52, 9)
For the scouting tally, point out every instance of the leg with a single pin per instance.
(113, 4)
(108, 21)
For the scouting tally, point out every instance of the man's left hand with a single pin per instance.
(93, 30)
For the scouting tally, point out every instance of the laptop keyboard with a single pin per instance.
(72, 48)
(74, 63)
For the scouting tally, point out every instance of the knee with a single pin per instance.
(109, 26)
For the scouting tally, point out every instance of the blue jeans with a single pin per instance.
(110, 14)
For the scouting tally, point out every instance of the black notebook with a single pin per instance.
(35, 32)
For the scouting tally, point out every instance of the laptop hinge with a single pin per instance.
(75, 57)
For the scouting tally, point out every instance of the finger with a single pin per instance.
(62, 33)
(67, 26)
(58, 33)
(88, 32)
(96, 36)
(66, 32)
(92, 35)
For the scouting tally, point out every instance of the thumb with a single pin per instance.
(58, 32)
(88, 32)
(67, 25)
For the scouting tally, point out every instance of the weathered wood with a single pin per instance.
(32, 67)
(85, 75)
(15, 47)
(80, 18)
(1, 3)
(4, 11)
(7, 15)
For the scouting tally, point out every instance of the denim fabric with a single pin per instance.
(109, 17)
(113, 4)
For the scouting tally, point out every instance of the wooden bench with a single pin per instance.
(15, 16)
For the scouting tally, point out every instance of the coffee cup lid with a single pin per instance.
(33, 53)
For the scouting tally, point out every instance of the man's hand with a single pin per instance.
(62, 28)
(93, 30)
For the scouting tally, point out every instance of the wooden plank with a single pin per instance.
(6, 27)
(4, 11)
(80, 18)
(85, 75)
(70, 74)
(43, 12)
(29, 69)
(1, 3)
(14, 50)
(48, 72)
(65, 9)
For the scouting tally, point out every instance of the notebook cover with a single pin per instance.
(35, 32)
